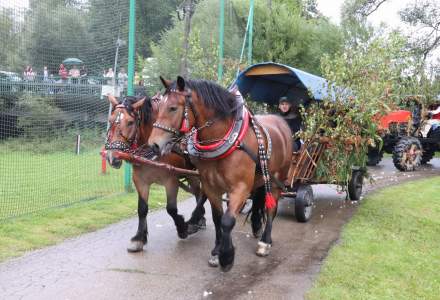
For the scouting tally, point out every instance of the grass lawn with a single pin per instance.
(30, 182)
(389, 250)
(46, 197)
(30, 232)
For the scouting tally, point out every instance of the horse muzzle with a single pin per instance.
(113, 161)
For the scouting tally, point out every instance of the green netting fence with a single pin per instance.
(53, 118)
(53, 121)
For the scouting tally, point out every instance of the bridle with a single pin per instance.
(184, 124)
(128, 143)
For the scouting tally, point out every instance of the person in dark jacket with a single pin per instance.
(292, 116)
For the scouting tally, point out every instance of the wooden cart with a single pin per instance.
(267, 83)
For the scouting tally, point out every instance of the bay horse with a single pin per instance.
(130, 126)
(225, 149)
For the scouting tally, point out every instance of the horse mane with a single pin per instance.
(213, 96)
(145, 110)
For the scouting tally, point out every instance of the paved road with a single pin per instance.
(97, 266)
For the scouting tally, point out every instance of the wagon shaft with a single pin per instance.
(143, 161)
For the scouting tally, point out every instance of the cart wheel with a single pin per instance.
(303, 203)
(355, 185)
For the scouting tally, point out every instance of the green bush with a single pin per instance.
(38, 117)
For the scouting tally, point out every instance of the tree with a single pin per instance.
(52, 39)
(203, 42)
(364, 81)
(152, 18)
(107, 21)
(285, 35)
(11, 55)
(424, 17)
(354, 14)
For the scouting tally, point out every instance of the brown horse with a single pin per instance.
(131, 123)
(210, 117)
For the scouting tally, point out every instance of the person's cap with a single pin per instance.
(283, 99)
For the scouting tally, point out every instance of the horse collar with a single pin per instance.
(228, 144)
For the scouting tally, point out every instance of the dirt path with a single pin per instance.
(97, 266)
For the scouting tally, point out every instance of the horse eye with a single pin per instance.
(130, 123)
(173, 108)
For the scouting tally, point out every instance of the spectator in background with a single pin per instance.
(25, 72)
(74, 74)
(45, 74)
(28, 74)
(109, 75)
(63, 73)
(122, 79)
(83, 74)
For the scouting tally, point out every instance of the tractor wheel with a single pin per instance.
(407, 154)
(374, 156)
(427, 155)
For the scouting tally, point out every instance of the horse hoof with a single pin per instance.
(192, 228)
(257, 234)
(226, 259)
(183, 235)
(263, 249)
(135, 246)
(213, 261)
(226, 268)
(202, 223)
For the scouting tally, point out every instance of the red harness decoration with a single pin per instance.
(217, 145)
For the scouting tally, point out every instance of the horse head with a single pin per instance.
(188, 106)
(126, 122)
(174, 117)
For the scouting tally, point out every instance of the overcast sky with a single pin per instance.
(387, 13)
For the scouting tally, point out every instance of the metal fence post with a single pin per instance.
(220, 40)
(251, 29)
(130, 88)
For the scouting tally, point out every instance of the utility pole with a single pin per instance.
(188, 11)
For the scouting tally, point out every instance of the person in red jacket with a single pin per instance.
(63, 73)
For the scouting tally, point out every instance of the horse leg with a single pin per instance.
(197, 220)
(171, 188)
(227, 250)
(138, 241)
(217, 212)
(265, 243)
(257, 211)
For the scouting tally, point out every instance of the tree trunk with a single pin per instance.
(188, 10)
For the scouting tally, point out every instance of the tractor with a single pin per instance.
(403, 135)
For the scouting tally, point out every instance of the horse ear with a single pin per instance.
(180, 83)
(166, 83)
(112, 99)
(138, 104)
